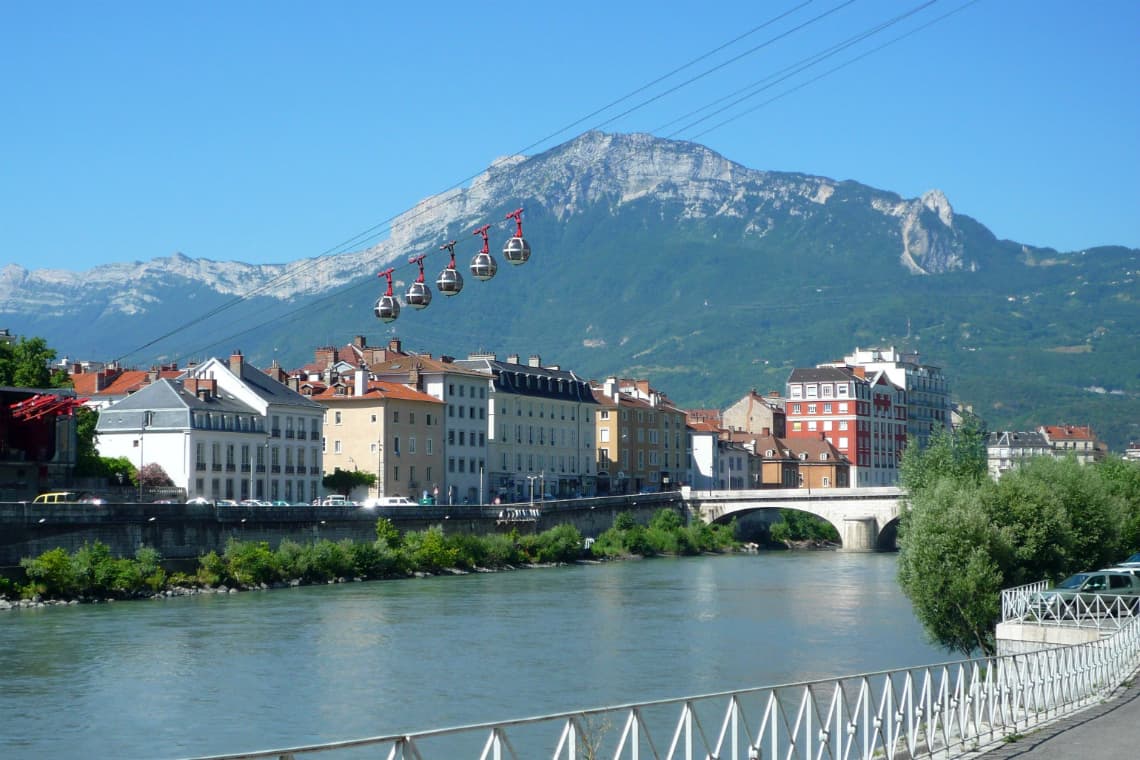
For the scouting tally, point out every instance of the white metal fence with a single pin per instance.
(1034, 603)
(938, 711)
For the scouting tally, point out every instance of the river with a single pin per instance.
(210, 674)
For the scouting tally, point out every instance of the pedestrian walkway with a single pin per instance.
(1109, 730)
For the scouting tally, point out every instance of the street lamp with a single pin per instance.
(532, 478)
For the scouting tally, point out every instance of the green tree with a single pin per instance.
(344, 481)
(27, 364)
(950, 561)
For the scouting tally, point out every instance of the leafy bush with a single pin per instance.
(429, 550)
(212, 570)
(52, 575)
(387, 534)
(250, 563)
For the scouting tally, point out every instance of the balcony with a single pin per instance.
(200, 466)
(288, 433)
(216, 468)
(289, 469)
(275, 432)
(275, 468)
(245, 468)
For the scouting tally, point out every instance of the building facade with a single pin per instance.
(539, 431)
(863, 417)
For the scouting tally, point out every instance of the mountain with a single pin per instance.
(659, 259)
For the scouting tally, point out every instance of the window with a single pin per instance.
(396, 445)
(604, 435)
(427, 443)
(336, 418)
(811, 425)
(411, 418)
(796, 391)
(336, 448)
(827, 408)
(411, 444)
(395, 415)
(796, 409)
(451, 463)
(843, 424)
(605, 414)
(811, 408)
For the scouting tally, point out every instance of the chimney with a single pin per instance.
(361, 382)
(859, 372)
(359, 341)
(534, 360)
(765, 431)
(610, 388)
(100, 380)
(415, 379)
(512, 358)
(237, 361)
(395, 346)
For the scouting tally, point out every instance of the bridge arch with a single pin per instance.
(865, 518)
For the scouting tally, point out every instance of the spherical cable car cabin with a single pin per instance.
(387, 308)
(516, 250)
(483, 266)
(419, 294)
(450, 281)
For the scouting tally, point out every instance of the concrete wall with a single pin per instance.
(186, 531)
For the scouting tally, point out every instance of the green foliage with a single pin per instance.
(665, 534)
(212, 570)
(26, 363)
(52, 575)
(387, 534)
(250, 563)
(964, 538)
(93, 572)
(960, 454)
(430, 551)
(88, 462)
(950, 562)
(344, 481)
(802, 526)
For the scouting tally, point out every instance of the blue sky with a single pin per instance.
(267, 132)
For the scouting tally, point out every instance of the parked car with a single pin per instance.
(225, 503)
(255, 503)
(1133, 561)
(1089, 593)
(56, 497)
(199, 500)
(387, 501)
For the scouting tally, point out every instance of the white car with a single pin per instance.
(387, 501)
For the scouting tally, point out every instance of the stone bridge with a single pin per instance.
(865, 518)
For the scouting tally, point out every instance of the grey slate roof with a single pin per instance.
(540, 382)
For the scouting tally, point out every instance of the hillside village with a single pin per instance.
(485, 429)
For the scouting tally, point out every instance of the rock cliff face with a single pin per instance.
(608, 171)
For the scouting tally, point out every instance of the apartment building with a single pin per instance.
(221, 430)
(387, 429)
(927, 390)
(539, 429)
(864, 417)
(641, 438)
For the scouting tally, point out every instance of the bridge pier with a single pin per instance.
(860, 533)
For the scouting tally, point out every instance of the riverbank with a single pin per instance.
(92, 574)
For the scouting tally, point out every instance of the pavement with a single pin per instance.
(1109, 730)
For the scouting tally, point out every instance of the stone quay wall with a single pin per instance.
(184, 532)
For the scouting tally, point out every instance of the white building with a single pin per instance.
(221, 431)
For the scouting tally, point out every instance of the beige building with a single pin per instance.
(387, 429)
(641, 438)
(755, 413)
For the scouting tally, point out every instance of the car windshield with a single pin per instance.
(1073, 581)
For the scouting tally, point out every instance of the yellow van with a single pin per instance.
(56, 497)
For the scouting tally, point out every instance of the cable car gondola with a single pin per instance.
(450, 280)
(419, 294)
(387, 308)
(516, 250)
(483, 266)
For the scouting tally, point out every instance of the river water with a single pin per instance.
(211, 674)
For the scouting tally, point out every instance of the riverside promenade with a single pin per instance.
(1108, 730)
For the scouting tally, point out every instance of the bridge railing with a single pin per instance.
(1035, 603)
(942, 711)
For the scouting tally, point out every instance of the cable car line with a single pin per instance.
(292, 272)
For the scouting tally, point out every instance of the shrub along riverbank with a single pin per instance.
(92, 574)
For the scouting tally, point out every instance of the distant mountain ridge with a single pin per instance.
(633, 236)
